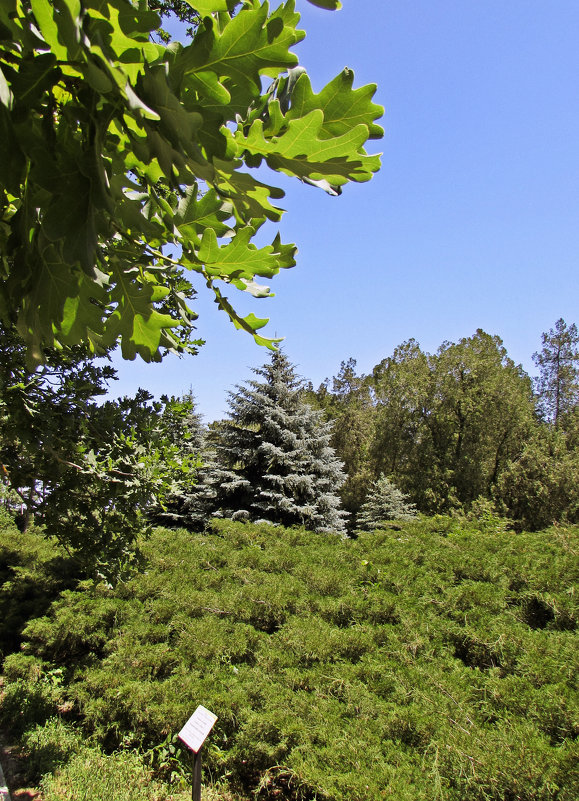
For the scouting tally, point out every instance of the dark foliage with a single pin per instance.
(33, 572)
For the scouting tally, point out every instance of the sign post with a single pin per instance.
(193, 734)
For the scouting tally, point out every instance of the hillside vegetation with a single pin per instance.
(345, 578)
(434, 659)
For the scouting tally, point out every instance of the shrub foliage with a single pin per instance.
(434, 661)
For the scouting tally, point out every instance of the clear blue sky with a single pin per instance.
(473, 221)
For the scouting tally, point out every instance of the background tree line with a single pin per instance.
(460, 430)
(463, 423)
(436, 433)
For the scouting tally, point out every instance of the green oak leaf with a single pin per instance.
(71, 219)
(135, 321)
(251, 324)
(134, 217)
(47, 19)
(344, 108)
(6, 96)
(178, 124)
(254, 289)
(34, 77)
(137, 104)
(255, 323)
(300, 151)
(240, 259)
(196, 214)
(207, 7)
(248, 46)
(13, 162)
(134, 21)
(53, 285)
(330, 5)
(97, 78)
(208, 86)
(123, 32)
(250, 198)
(82, 315)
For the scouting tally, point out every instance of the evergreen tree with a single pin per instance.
(480, 413)
(448, 423)
(347, 402)
(400, 389)
(384, 502)
(541, 486)
(558, 362)
(272, 458)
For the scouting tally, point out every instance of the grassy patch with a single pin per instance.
(90, 774)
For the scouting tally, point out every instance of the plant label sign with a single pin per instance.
(195, 731)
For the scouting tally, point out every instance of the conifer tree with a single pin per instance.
(558, 362)
(384, 502)
(272, 458)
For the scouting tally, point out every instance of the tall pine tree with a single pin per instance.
(272, 458)
(558, 362)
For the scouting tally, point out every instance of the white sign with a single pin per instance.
(195, 731)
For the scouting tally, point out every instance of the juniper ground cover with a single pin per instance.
(436, 659)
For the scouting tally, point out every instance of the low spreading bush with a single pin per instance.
(433, 660)
(32, 693)
(33, 571)
(48, 746)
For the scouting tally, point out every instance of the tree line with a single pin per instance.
(462, 424)
(460, 430)
(434, 433)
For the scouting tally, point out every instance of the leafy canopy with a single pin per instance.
(91, 473)
(122, 164)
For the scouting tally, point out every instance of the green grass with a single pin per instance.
(91, 775)
(437, 661)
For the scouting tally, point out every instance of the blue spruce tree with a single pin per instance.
(271, 459)
(384, 502)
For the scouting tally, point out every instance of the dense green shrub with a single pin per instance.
(49, 746)
(437, 660)
(33, 693)
(33, 570)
